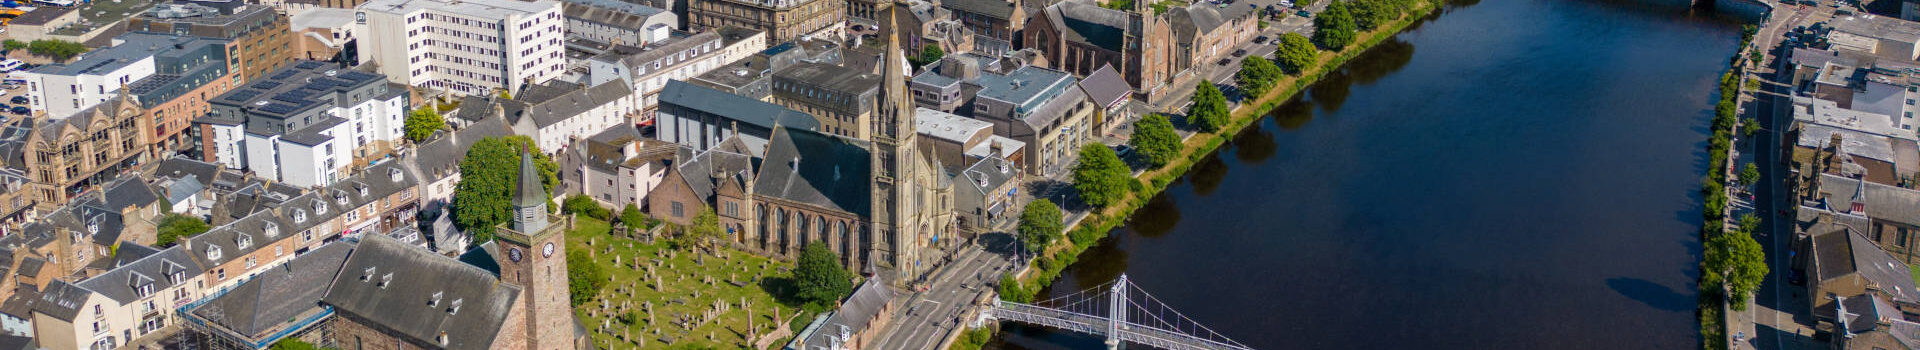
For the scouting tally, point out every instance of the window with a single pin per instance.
(677, 210)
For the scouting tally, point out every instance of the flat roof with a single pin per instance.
(133, 49)
(947, 126)
(495, 9)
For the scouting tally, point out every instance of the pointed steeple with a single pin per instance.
(894, 99)
(530, 200)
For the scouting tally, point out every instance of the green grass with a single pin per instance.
(682, 280)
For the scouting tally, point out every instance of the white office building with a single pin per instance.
(306, 124)
(467, 47)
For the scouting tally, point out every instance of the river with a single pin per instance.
(1510, 174)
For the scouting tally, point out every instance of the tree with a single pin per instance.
(11, 44)
(1749, 223)
(928, 55)
(1154, 140)
(58, 50)
(1749, 126)
(291, 343)
(1734, 263)
(1010, 290)
(1208, 113)
(1295, 53)
(175, 227)
(1040, 224)
(1333, 30)
(582, 205)
(584, 277)
(488, 177)
(1100, 177)
(633, 218)
(422, 122)
(704, 230)
(1256, 75)
(1749, 175)
(1370, 14)
(819, 276)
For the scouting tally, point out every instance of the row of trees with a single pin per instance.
(58, 50)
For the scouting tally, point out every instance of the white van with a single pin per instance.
(9, 65)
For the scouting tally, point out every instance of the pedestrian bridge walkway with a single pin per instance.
(1142, 319)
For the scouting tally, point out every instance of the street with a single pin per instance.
(1778, 317)
(926, 318)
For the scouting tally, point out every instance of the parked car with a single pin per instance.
(1304, 13)
(21, 110)
(1260, 40)
(1240, 52)
(20, 100)
(1224, 61)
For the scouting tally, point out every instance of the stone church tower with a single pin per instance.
(912, 204)
(534, 257)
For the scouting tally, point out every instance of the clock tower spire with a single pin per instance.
(535, 258)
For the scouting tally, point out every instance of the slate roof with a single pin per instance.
(989, 174)
(997, 9)
(20, 304)
(551, 102)
(14, 342)
(821, 170)
(387, 282)
(275, 296)
(62, 300)
(1194, 20)
(442, 155)
(1088, 23)
(1843, 252)
(1105, 86)
(856, 313)
(735, 107)
(120, 283)
(129, 191)
(1882, 202)
(699, 170)
(90, 216)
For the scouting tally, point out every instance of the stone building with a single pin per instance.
(618, 22)
(616, 167)
(782, 20)
(840, 98)
(1044, 108)
(555, 113)
(69, 156)
(118, 307)
(997, 23)
(1079, 37)
(701, 118)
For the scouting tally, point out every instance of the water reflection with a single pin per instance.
(1206, 174)
(1293, 114)
(1156, 218)
(1388, 57)
(1254, 145)
(1331, 91)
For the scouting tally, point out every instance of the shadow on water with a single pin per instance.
(1254, 145)
(1388, 57)
(1332, 90)
(1158, 217)
(1652, 294)
(1207, 174)
(1293, 114)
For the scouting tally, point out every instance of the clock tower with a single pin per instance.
(534, 257)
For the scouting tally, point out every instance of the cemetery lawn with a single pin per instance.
(682, 278)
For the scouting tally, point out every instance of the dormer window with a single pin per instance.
(142, 286)
(93, 225)
(319, 208)
(271, 229)
(392, 174)
(245, 241)
(363, 190)
(367, 275)
(435, 299)
(340, 198)
(455, 308)
(213, 252)
(299, 216)
(386, 280)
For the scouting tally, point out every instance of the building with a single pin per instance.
(801, 193)
(380, 200)
(61, 90)
(617, 167)
(1080, 37)
(648, 69)
(959, 142)
(986, 193)
(306, 124)
(858, 320)
(701, 117)
(997, 23)
(67, 157)
(556, 113)
(258, 31)
(272, 306)
(782, 20)
(178, 90)
(41, 22)
(467, 47)
(118, 307)
(1044, 108)
(1893, 213)
(438, 159)
(323, 34)
(840, 98)
(618, 22)
(1871, 322)
(1110, 93)
(1843, 264)
(1203, 33)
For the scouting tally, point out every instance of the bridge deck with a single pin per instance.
(1097, 325)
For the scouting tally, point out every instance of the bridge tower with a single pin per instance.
(1117, 313)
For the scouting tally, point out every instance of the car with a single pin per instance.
(21, 110)
(1225, 61)
(1303, 13)
(20, 100)
(1260, 40)
(1240, 52)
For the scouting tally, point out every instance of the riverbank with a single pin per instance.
(1089, 231)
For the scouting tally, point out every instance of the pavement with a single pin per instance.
(1222, 74)
(1777, 317)
(930, 317)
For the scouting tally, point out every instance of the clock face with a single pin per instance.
(547, 250)
(514, 254)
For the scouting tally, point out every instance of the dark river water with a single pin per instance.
(1511, 174)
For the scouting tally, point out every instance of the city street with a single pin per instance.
(925, 319)
(1778, 318)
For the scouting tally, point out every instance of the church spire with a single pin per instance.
(529, 202)
(894, 92)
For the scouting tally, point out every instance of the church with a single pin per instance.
(882, 204)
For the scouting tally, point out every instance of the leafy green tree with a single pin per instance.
(704, 231)
(585, 279)
(1295, 53)
(633, 218)
(291, 343)
(928, 55)
(1100, 177)
(422, 122)
(1370, 14)
(1155, 140)
(1735, 264)
(11, 44)
(1750, 127)
(821, 278)
(1040, 224)
(175, 227)
(1749, 175)
(1749, 223)
(1334, 29)
(488, 177)
(1010, 290)
(58, 50)
(1256, 75)
(585, 206)
(1208, 113)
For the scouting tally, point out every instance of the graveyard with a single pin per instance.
(660, 297)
